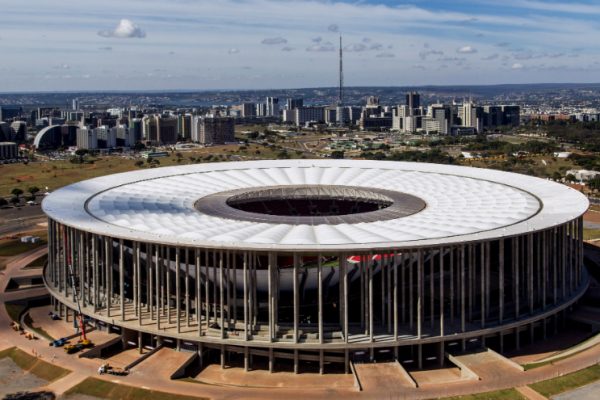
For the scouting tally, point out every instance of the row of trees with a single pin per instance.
(16, 194)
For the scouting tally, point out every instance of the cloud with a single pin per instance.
(287, 48)
(419, 66)
(62, 66)
(517, 66)
(375, 46)
(385, 55)
(355, 47)
(125, 29)
(233, 50)
(333, 28)
(491, 57)
(105, 48)
(274, 40)
(318, 39)
(466, 50)
(502, 44)
(426, 53)
(321, 47)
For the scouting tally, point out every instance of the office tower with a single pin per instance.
(248, 110)
(442, 115)
(10, 112)
(159, 129)
(493, 116)
(309, 114)
(75, 104)
(18, 131)
(272, 107)
(135, 130)
(294, 103)
(472, 116)
(512, 115)
(216, 130)
(372, 101)
(413, 101)
(184, 126)
(87, 138)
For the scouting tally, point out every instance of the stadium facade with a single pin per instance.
(309, 264)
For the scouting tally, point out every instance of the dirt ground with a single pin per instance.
(13, 379)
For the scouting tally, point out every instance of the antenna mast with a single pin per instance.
(341, 93)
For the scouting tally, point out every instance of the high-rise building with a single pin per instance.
(512, 115)
(272, 107)
(8, 150)
(294, 103)
(87, 138)
(75, 104)
(10, 112)
(309, 114)
(216, 130)
(442, 114)
(159, 129)
(248, 110)
(413, 101)
(471, 116)
(18, 131)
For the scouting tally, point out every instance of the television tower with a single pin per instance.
(341, 93)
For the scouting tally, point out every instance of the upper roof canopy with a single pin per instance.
(461, 204)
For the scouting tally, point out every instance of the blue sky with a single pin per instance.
(246, 44)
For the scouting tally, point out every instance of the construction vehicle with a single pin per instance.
(59, 342)
(83, 342)
(30, 335)
(109, 369)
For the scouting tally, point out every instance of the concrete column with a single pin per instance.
(462, 289)
(296, 305)
(271, 305)
(395, 261)
(482, 273)
(108, 276)
(419, 294)
(345, 302)
(122, 279)
(410, 289)
(370, 272)
(198, 291)
(245, 282)
(321, 363)
(167, 268)
(320, 299)
(207, 305)
(177, 291)
(501, 280)
(431, 288)
(271, 360)
(157, 274)
(246, 358)
(296, 361)
(187, 288)
(530, 271)
(441, 303)
(221, 294)
(452, 255)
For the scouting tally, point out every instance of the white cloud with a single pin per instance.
(321, 47)
(491, 57)
(333, 28)
(429, 52)
(287, 48)
(385, 55)
(355, 47)
(466, 50)
(233, 50)
(517, 66)
(318, 39)
(125, 29)
(274, 40)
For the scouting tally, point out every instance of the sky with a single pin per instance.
(71, 45)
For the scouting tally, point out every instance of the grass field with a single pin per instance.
(507, 394)
(13, 247)
(14, 310)
(56, 174)
(109, 390)
(37, 263)
(591, 234)
(570, 381)
(34, 365)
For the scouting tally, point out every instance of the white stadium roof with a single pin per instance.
(461, 204)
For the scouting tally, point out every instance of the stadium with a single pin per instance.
(310, 264)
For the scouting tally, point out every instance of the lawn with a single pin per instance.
(34, 365)
(14, 310)
(506, 394)
(38, 262)
(590, 234)
(114, 391)
(567, 382)
(59, 173)
(13, 247)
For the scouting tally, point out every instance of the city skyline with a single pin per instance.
(253, 44)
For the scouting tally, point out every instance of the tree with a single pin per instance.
(15, 200)
(139, 163)
(33, 190)
(16, 192)
(571, 178)
(337, 154)
(3, 202)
